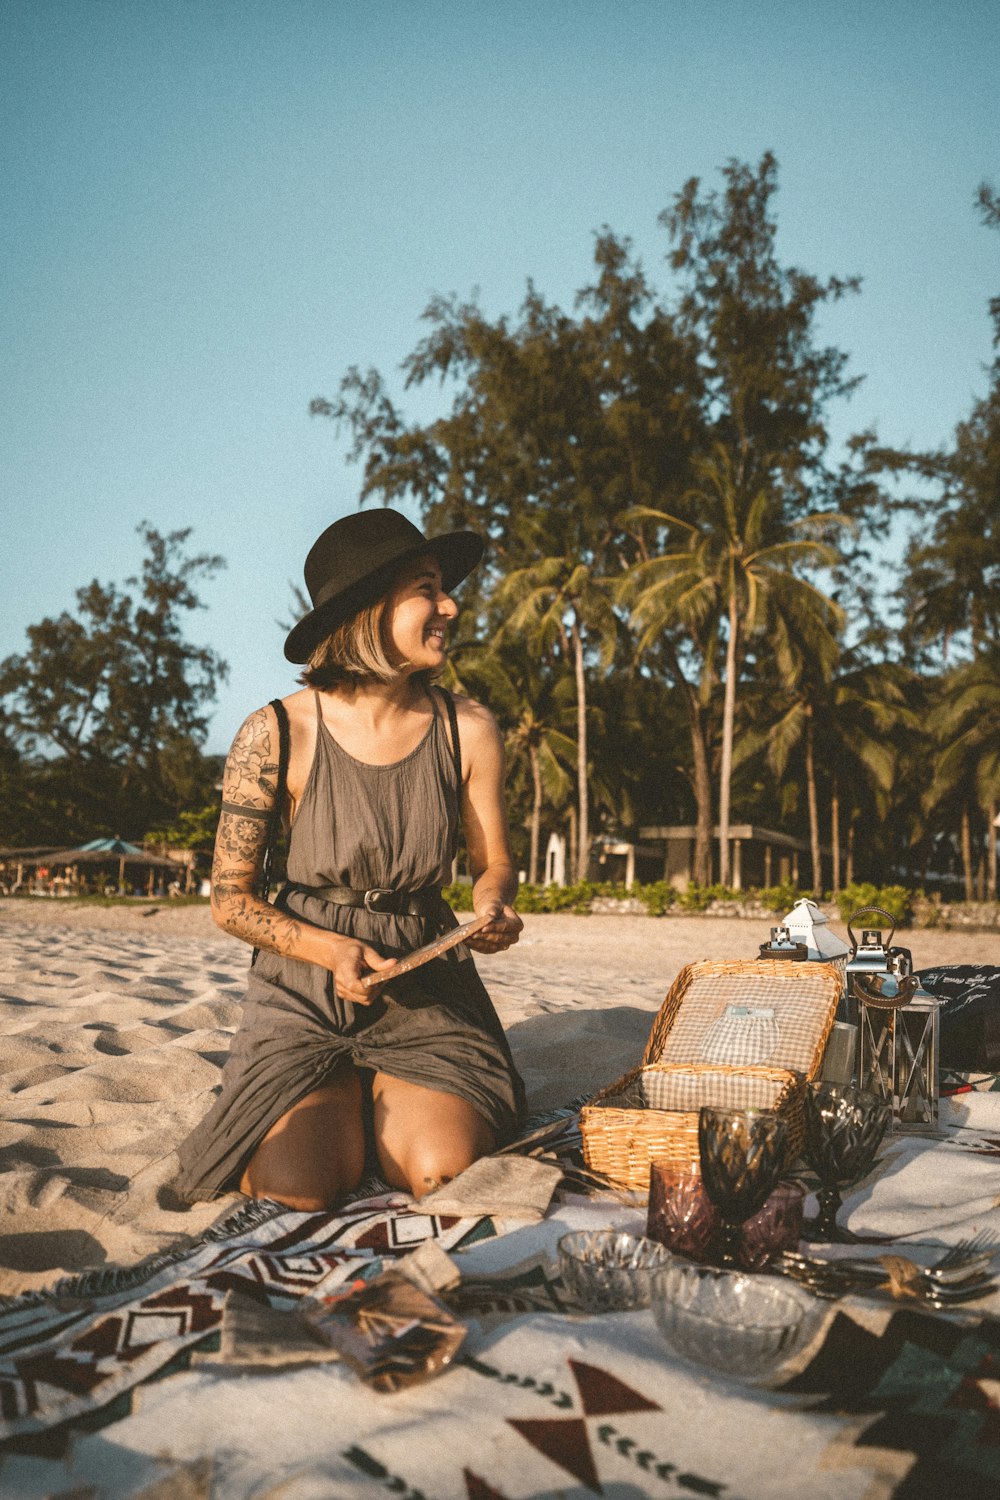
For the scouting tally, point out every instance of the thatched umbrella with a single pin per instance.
(102, 850)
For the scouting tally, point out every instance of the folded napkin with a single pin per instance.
(509, 1187)
(254, 1334)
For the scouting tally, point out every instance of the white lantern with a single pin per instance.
(807, 924)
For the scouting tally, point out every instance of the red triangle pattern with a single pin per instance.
(604, 1395)
(564, 1440)
(477, 1488)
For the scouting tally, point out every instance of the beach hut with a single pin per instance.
(103, 851)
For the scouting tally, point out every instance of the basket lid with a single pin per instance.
(748, 1013)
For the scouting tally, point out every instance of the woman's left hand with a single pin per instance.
(504, 929)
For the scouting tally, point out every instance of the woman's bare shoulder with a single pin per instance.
(471, 709)
(301, 705)
(475, 722)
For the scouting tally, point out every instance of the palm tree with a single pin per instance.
(732, 574)
(559, 602)
(517, 691)
(966, 726)
(845, 724)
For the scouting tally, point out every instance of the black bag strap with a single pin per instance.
(274, 822)
(456, 744)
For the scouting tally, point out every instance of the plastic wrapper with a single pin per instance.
(390, 1332)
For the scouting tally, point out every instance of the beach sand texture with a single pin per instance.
(115, 1023)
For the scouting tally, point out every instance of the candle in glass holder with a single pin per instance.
(774, 1228)
(681, 1214)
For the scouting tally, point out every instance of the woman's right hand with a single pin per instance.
(352, 961)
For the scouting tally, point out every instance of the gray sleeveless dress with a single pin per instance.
(361, 826)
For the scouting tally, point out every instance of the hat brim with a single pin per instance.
(457, 553)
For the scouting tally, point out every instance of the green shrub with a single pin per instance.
(894, 899)
(700, 897)
(657, 897)
(780, 898)
(458, 895)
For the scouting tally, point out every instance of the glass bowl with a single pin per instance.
(607, 1270)
(740, 1324)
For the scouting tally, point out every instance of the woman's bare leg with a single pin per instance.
(315, 1153)
(424, 1137)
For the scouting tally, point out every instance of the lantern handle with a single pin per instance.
(864, 911)
(885, 991)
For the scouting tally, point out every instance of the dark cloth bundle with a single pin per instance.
(970, 1015)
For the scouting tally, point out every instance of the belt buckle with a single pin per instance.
(372, 898)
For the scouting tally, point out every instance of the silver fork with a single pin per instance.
(956, 1272)
(958, 1261)
(965, 1250)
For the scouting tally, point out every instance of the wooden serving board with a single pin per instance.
(421, 956)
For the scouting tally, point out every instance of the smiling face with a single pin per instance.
(417, 615)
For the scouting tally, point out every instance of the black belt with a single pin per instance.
(425, 902)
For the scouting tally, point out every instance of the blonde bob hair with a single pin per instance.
(354, 652)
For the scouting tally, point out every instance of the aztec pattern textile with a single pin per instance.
(543, 1405)
(73, 1352)
(113, 1387)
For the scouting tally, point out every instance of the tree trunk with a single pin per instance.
(966, 839)
(572, 839)
(728, 718)
(583, 844)
(536, 814)
(991, 851)
(850, 848)
(701, 781)
(817, 869)
(835, 833)
(702, 871)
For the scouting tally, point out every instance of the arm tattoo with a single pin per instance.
(249, 789)
(251, 769)
(256, 921)
(245, 811)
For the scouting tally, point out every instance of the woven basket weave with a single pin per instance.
(621, 1139)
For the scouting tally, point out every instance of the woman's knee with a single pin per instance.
(430, 1164)
(315, 1153)
(425, 1137)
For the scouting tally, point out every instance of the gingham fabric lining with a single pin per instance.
(742, 1036)
(801, 1008)
(673, 1088)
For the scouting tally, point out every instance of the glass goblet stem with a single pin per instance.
(825, 1225)
(729, 1243)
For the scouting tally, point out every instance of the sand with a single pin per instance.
(115, 1023)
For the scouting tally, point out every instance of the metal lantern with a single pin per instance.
(898, 1024)
(873, 961)
(805, 933)
(899, 1056)
(807, 924)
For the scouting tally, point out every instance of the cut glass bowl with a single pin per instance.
(607, 1270)
(740, 1324)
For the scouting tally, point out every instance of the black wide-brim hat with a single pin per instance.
(354, 562)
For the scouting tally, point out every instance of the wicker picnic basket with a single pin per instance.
(738, 1033)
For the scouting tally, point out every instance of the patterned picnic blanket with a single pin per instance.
(112, 1388)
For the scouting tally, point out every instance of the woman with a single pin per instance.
(382, 768)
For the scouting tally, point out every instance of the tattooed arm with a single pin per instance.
(249, 788)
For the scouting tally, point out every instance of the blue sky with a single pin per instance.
(214, 207)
